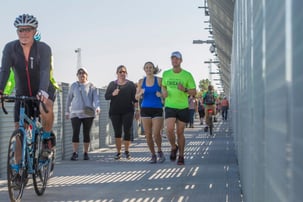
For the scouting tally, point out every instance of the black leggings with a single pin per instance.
(125, 120)
(87, 124)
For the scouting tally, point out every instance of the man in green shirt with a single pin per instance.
(177, 85)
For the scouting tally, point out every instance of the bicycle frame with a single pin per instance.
(34, 131)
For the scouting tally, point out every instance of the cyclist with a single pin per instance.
(209, 100)
(30, 61)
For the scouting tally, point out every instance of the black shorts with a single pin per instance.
(151, 112)
(179, 114)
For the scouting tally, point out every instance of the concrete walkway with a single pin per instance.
(210, 174)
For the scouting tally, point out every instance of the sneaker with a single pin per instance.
(161, 157)
(206, 129)
(85, 156)
(153, 159)
(118, 156)
(180, 160)
(173, 154)
(74, 157)
(127, 155)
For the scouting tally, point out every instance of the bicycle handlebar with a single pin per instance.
(6, 98)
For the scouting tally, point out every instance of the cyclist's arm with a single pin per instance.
(6, 63)
(45, 66)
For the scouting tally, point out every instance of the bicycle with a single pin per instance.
(28, 143)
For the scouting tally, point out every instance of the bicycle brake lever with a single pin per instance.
(2, 105)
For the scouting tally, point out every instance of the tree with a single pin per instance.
(203, 85)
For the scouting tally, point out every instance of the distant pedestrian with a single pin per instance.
(201, 110)
(123, 105)
(149, 88)
(82, 97)
(177, 84)
(192, 106)
(224, 108)
(209, 99)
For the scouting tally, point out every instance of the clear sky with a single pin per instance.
(114, 32)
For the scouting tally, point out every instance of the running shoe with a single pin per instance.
(85, 156)
(127, 155)
(117, 156)
(153, 159)
(161, 157)
(180, 160)
(74, 157)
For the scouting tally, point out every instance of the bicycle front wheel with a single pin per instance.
(16, 176)
(41, 166)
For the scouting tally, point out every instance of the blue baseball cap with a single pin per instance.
(176, 54)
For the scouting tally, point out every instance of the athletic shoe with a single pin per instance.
(127, 155)
(173, 154)
(161, 157)
(153, 159)
(180, 160)
(118, 156)
(74, 157)
(85, 156)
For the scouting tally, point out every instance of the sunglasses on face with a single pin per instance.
(26, 30)
(120, 72)
(81, 72)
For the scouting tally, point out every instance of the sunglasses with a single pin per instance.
(120, 72)
(26, 30)
(81, 72)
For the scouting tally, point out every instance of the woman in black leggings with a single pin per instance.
(121, 94)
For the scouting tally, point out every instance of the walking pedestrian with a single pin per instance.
(201, 110)
(224, 108)
(192, 106)
(82, 105)
(177, 84)
(123, 105)
(149, 88)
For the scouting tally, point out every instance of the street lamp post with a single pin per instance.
(79, 63)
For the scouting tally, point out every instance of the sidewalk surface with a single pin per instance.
(210, 174)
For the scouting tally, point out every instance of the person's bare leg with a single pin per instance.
(170, 130)
(157, 127)
(118, 144)
(147, 125)
(85, 147)
(47, 118)
(181, 138)
(126, 145)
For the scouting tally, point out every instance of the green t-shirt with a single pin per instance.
(204, 95)
(176, 98)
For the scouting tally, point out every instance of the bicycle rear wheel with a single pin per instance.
(41, 166)
(16, 176)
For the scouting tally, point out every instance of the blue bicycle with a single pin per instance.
(27, 153)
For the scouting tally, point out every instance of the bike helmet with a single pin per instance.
(26, 20)
(37, 36)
